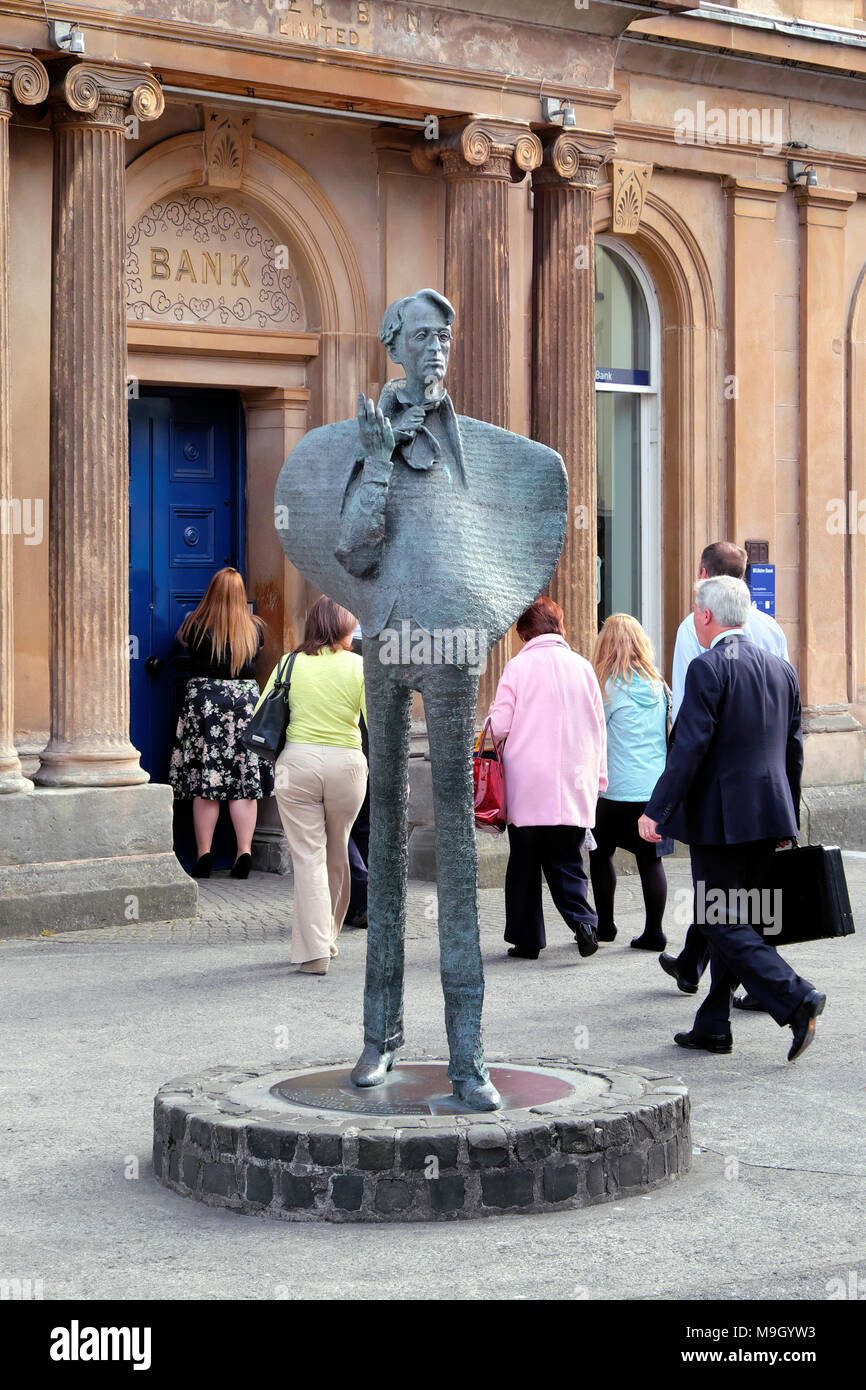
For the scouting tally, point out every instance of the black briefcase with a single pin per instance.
(814, 901)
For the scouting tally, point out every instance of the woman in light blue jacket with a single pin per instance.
(636, 713)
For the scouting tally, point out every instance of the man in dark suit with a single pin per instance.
(731, 791)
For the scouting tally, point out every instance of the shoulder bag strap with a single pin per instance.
(483, 742)
(284, 672)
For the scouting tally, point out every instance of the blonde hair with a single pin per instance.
(623, 650)
(223, 616)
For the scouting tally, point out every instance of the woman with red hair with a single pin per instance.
(209, 764)
(549, 715)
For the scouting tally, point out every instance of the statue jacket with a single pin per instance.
(466, 533)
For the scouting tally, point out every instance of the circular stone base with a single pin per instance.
(303, 1144)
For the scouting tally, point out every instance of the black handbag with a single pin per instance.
(265, 735)
(814, 894)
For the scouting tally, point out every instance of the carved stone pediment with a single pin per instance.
(203, 257)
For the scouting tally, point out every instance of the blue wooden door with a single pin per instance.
(186, 499)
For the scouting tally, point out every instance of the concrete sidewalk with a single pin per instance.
(96, 1021)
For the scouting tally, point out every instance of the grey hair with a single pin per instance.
(728, 599)
(392, 319)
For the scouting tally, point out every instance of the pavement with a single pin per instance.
(95, 1021)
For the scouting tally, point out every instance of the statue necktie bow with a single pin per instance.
(418, 446)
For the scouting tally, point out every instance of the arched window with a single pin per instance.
(627, 373)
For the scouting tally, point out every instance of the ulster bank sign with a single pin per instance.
(360, 25)
(349, 23)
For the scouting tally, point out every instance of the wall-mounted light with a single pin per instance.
(798, 172)
(67, 37)
(555, 112)
(802, 173)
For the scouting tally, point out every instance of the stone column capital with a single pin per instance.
(22, 78)
(827, 207)
(753, 190)
(571, 157)
(103, 94)
(481, 147)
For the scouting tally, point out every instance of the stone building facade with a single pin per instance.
(648, 218)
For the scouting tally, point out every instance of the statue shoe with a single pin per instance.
(478, 1095)
(372, 1066)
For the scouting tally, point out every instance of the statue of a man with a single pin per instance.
(437, 530)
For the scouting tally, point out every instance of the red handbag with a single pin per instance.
(489, 777)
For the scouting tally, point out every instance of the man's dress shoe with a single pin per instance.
(478, 1095)
(521, 954)
(605, 933)
(705, 1042)
(749, 1003)
(802, 1022)
(587, 942)
(669, 966)
(372, 1066)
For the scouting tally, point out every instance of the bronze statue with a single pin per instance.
(442, 528)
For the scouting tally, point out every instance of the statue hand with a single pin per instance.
(377, 436)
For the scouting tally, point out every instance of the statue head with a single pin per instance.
(417, 333)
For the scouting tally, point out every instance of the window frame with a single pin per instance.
(650, 447)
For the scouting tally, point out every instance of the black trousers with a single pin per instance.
(616, 828)
(739, 954)
(358, 890)
(694, 958)
(552, 850)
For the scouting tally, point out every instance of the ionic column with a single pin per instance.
(480, 159)
(563, 362)
(25, 80)
(89, 494)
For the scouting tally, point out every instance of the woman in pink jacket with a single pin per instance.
(548, 715)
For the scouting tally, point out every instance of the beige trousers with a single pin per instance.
(319, 791)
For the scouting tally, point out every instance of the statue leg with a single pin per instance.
(449, 705)
(389, 709)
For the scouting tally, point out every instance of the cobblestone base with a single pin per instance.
(298, 1164)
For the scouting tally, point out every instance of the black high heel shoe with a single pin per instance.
(242, 865)
(654, 941)
(202, 868)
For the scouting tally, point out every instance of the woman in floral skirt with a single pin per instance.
(209, 763)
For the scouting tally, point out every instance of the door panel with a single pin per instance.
(186, 522)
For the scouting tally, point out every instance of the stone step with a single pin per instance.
(78, 857)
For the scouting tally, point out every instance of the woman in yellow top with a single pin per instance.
(321, 779)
